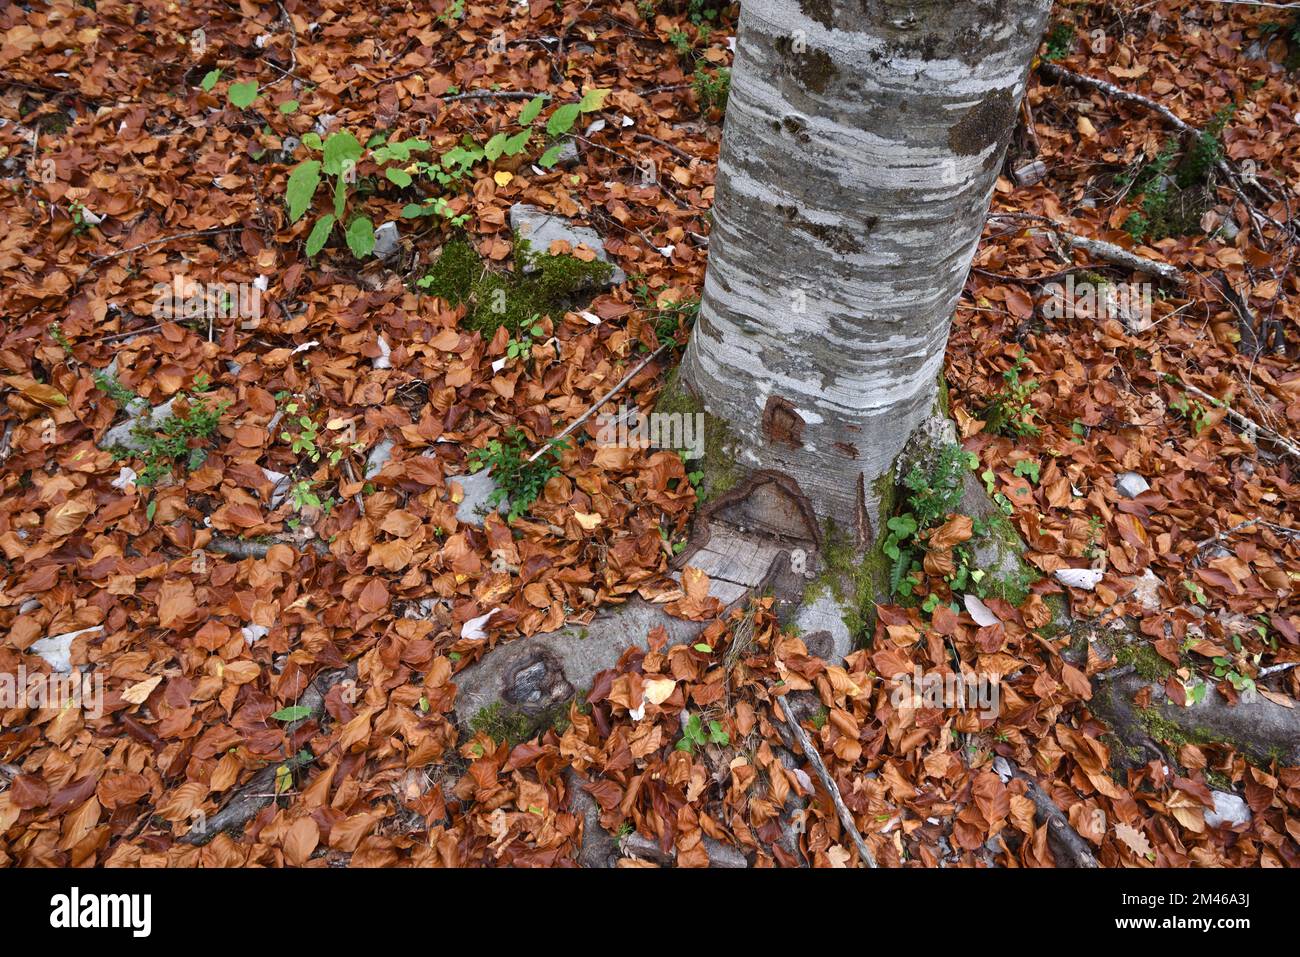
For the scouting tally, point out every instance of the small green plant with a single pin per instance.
(712, 87)
(699, 11)
(681, 42)
(695, 735)
(305, 438)
(1027, 468)
(1196, 591)
(1010, 412)
(341, 154)
(454, 11)
(1060, 41)
(522, 347)
(1193, 410)
(178, 441)
(932, 495)
(518, 481)
(669, 318)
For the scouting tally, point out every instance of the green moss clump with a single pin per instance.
(721, 471)
(511, 299)
(1146, 661)
(502, 726)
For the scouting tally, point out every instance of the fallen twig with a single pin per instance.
(819, 768)
(599, 402)
(1060, 73)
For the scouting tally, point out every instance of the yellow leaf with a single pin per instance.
(503, 177)
(587, 520)
(659, 690)
(1085, 128)
(138, 693)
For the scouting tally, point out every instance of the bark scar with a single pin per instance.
(782, 422)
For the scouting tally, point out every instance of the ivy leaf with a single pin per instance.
(210, 80)
(494, 147)
(319, 234)
(341, 148)
(292, 713)
(242, 95)
(562, 120)
(361, 237)
(302, 187)
(530, 111)
(399, 176)
(592, 100)
(550, 157)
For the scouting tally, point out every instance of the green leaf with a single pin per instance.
(302, 187)
(340, 148)
(292, 713)
(311, 140)
(399, 176)
(289, 106)
(361, 237)
(150, 510)
(550, 157)
(902, 525)
(701, 646)
(210, 80)
(562, 119)
(494, 147)
(530, 111)
(515, 144)
(242, 95)
(414, 210)
(319, 234)
(592, 100)
(340, 196)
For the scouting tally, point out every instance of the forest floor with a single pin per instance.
(164, 138)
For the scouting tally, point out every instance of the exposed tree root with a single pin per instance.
(1255, 726)
(1064, 838)
(260, 790)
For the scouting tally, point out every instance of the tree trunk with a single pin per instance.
(858, 160)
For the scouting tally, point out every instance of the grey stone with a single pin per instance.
(1228, 809)
(379, 456)
(477, 488)
(1027, 174)
(148, 420)
(1131, 485)
(386, 238)
(568, 153)
(541, 229)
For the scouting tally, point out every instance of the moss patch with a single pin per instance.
(721, 471)
(998, 551)
(511, 299)
(1146, 661)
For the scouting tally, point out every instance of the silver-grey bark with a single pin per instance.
(861, 145)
